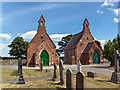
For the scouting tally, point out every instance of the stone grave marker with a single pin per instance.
(116, 74)
(61, 68)
(55, 74)
(69, 79)
(79, 66)
(19, 60)
(21, 79)
(91, 74)
(79, 81)
(41, 65)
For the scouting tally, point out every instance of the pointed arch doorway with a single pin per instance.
(44, 56)
(96, 57)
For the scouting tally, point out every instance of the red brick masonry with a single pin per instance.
(81, 46)
(40, 42)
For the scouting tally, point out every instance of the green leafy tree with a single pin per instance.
(18, 47)
(108, 52)
(109, 49)
(62, 44)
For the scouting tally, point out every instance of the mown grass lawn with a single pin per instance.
(9, 74)
(101, 81)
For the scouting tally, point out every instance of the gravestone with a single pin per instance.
(21, 79)
(116, 74)
(55, 74)
(61, 68)
(79, 81)
(19, 60)
(91, 74)
(79, 66)
(41, 65)
(69, 79)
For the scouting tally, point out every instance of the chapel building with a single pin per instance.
(83, 47)
(41, 48)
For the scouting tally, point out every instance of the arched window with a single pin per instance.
(41, 23)
(86, 26)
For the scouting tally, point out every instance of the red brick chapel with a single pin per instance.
(41, 47)
(83, 47)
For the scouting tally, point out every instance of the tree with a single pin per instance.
(110, 47)
(18, 47)
(62, 44)
(108, 52)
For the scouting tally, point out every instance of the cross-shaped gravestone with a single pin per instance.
(21, 79)
(54, 75)
(79, 67)
(61, 68)
(116, 74)
(69, 79)
(116, 56)
(19, 60)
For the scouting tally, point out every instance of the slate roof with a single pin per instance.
(88, 47)
(74, 41)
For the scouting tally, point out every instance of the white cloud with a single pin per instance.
(57, 37)
(6, 36)
(29, 34)
(100, 12)
(18, 34)
(57, 46)
(102, 42)
(107, 3)
(116, 20)
(2, 46)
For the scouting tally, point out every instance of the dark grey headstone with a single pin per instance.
(61, 68)
(91, 74)
(55, 74)
(79, 81)
(69, 79)
(41, 66)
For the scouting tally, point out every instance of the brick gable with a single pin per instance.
(77, 45)
(40, 42)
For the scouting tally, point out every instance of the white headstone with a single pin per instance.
(79, 66)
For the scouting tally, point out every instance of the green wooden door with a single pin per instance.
(45, 58)
(96, 59)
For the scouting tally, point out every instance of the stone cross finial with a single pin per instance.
(116, 56)
(79, 67)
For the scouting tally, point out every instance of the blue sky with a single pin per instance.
(62, 18)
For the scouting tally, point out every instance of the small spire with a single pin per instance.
(86, 23)
(42, 18)
(42, 22)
